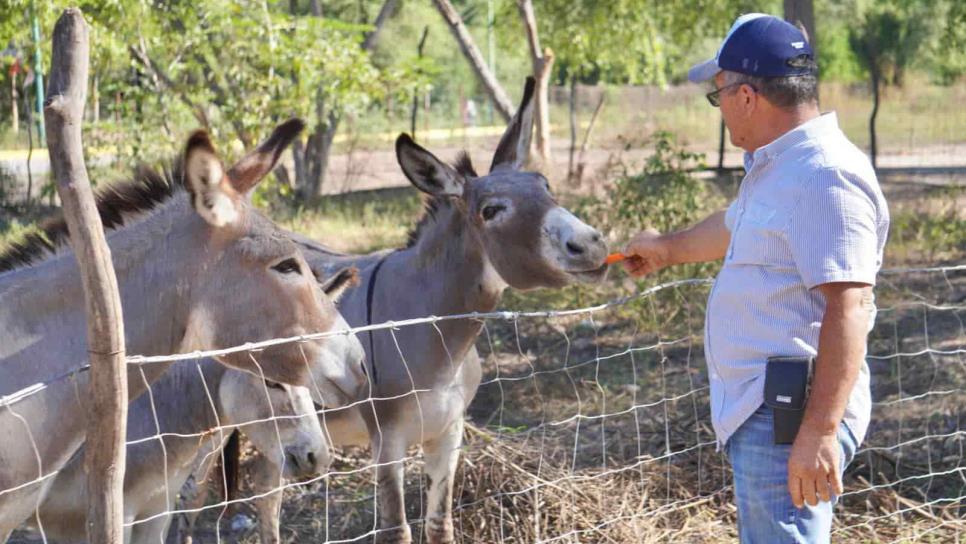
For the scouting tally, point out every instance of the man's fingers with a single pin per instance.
(836, 481)
(808, 491)
(795, 490)
(823, 486)
(638, 266)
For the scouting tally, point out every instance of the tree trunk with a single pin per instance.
(315, 7)
(493, 88)
(873, 148)
(14, 111)
(573, 127)
(369, 43)
(542, 61)
(107, 420)
(416, 97)
(802, 12)
(582, 157)
(312, 161)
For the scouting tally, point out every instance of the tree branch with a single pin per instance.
(373, 37)
(144, 60)
(493, 88)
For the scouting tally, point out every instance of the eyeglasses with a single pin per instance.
(714, 97)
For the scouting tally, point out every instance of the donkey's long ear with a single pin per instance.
(514, 146)
(211, 194)
(343, 280)
(425, 171)
(252, 168)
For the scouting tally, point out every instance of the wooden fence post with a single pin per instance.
(107, 413)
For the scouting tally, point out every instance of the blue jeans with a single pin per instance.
(766, 514)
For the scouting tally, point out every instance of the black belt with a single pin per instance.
(370, 289)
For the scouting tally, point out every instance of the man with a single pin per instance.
(801, 244)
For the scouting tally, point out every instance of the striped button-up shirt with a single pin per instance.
(809, 211)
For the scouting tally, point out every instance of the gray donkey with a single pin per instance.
(479, 235)
(189, 405)
(197, 269)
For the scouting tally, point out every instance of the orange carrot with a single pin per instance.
(614, 258)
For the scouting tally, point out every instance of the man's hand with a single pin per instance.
(651, 251)
(646, 253)
(813, 468)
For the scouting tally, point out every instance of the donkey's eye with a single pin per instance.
(288, 266)
(274, 385)
(489, 212)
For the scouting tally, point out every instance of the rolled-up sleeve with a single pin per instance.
(832, 232)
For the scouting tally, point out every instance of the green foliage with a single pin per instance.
(893, 36)
(664, 194)
(920, 236)
(636, 41)
(237, 67)
(836, 59)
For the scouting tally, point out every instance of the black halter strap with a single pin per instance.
(370, 289)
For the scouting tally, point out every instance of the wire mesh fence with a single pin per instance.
(589, 425)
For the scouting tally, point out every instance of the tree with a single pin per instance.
(542, 60)
(235, 69)
(501, 102)
(886, 41)
(802, 12)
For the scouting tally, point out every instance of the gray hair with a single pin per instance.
(784, 92)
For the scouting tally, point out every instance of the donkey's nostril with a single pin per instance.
(576, 249)
(311, 459)
(596, 237)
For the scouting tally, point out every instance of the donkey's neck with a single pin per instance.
(186, 400)
(42, 321)
(445, 273)
(452, 262)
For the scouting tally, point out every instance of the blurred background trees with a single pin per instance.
(163, 67)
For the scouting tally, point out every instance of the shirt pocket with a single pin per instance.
(759, 238)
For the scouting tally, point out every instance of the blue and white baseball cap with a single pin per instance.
(762, 46)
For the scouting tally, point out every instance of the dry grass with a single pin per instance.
(531, 471)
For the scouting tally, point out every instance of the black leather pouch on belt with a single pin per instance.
(787, 382)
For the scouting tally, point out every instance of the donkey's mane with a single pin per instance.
(432, 205)
(116, 204)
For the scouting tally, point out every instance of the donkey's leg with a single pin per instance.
(267, 476)
(191, 497)
(150, 532)
(441, 457)
(388, 453)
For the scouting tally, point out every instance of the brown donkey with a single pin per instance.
(198, 268)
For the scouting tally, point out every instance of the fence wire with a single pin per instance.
(589, 425)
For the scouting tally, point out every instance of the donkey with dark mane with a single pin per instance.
(479, 235)
(198, 268)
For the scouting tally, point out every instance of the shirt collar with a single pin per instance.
(820, 126)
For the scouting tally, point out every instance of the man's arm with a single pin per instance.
(651, 251)
(813, 465)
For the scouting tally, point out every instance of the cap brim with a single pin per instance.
(703, 71)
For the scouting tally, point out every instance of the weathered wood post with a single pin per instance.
(107, 413)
